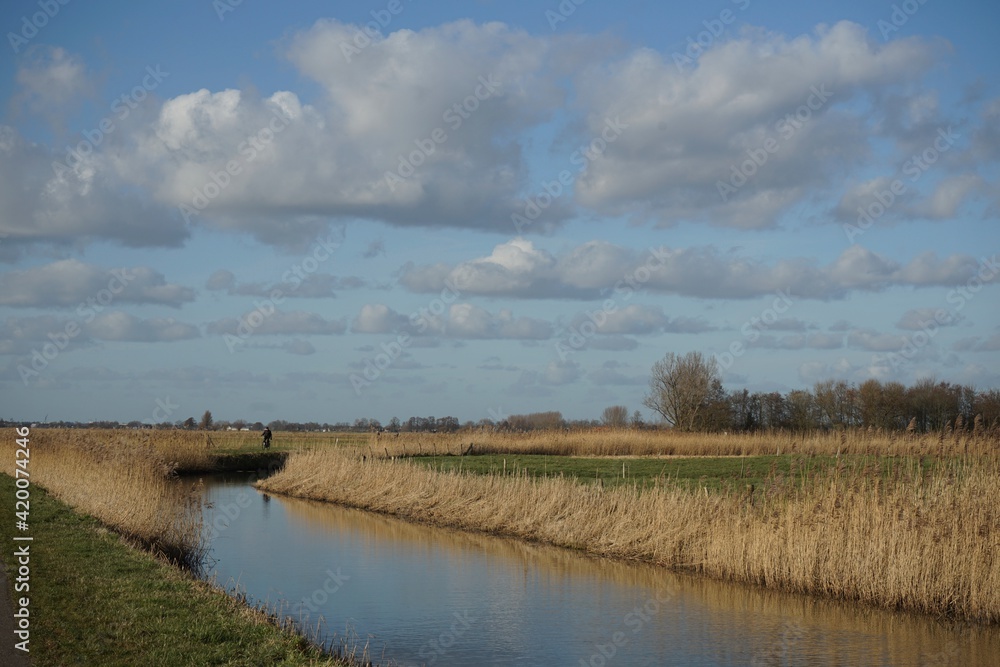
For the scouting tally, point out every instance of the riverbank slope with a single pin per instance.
(94, 600)
(917, 538)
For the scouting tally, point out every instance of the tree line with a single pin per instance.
(688, 393)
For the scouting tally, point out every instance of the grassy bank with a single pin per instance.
(912, 537)
(96, 601)
(122, 480)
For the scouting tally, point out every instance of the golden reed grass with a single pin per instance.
(627, 442)
(123, 479)
(924, 538)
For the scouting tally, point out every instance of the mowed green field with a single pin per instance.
(713, 473)
(692, 473)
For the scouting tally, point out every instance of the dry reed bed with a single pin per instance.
(627, 442)
(183, 450)
(924, 540)
(120, 478)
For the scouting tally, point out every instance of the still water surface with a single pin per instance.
(424, 595)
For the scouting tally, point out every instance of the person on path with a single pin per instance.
(267, 437)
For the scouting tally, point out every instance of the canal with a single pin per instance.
(415, 594)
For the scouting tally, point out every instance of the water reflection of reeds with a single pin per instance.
(914, 537)
(772, 626)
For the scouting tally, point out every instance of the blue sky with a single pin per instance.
(326, 211)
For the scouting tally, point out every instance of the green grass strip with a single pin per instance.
(729, 473)
(97, 601)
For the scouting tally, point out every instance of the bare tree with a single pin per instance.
(206, 421)
(716, 412)
(802, 410)
(680, 387)
(837, 402)
(615, 416)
